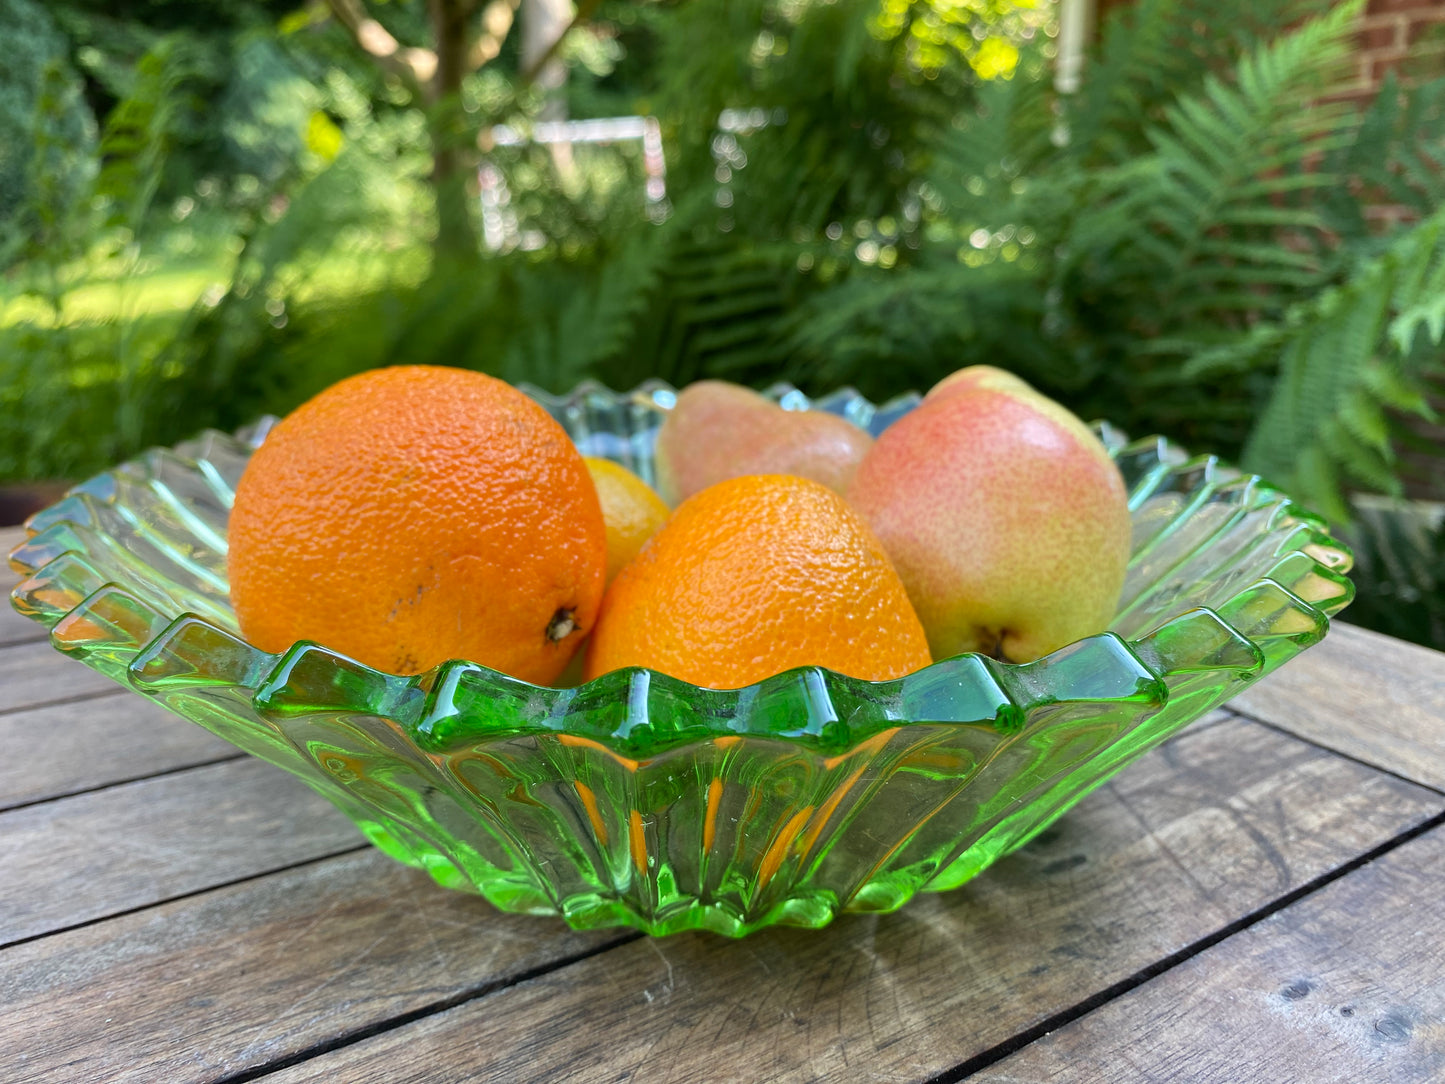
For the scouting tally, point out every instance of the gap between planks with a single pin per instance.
(500, 1016)
(997, 1053)
(1361, 694)
(958, 1073)
(182, 896)
(99, 788)
(131, 846)
(1342, 987)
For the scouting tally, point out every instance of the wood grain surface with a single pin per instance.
(1255, 901)
(1366, 695)
(1193, 838)
(29, 677)
(257, 972)
(14, 628)
(135, 844)
(1346, 987)
(48, 752)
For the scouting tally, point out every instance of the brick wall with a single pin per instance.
(1393, 29)
(1407, 36)
(1389, 31)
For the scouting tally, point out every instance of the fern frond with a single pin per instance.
(1150, 53)
(1400, 556)
(1345, 358)
(139, 132)
(1396, 156)
(1422, 290)
(1210, 153)
(1429, 314)
(1213, 230)
(1006, 137)
(591, 323)
(886, 332)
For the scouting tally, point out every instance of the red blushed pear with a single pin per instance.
(719, 430)
(1004, 515)
(975, 377)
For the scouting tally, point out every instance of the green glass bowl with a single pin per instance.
(640, 800)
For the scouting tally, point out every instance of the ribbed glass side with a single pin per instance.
(639, 800)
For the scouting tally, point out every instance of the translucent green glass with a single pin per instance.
(639, 800)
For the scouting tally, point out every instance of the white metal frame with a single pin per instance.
(500, 230)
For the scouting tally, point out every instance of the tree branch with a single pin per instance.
(497, 19)
(585, 10)
(415, 67)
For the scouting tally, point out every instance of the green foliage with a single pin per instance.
(1182, 245)
(1151, 53)
(1100, 273)
(46, 130)
(1400, 563)
(1346, 357)
(1394, 159)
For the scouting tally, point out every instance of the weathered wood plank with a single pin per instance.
(58, 749)
(1342, 987)
(1196, 835)
(244, 976)
(1367, 695)
(33, 674)
(96, 854)
(14, 629)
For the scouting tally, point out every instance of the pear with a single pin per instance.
(977, 376)
(719, 430)
(1004, 515)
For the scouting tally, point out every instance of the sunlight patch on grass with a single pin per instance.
(102, 300)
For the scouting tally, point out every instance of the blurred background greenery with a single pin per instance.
(208, 212)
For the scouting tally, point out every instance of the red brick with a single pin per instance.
(1384, 61)
(1381, 31)
(1385, 217)
(1379, 37)
(1359, 95)
(1378, 6)
(1429, 26)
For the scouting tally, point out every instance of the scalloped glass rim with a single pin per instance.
(1228, 579)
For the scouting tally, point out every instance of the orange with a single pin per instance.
(756, 575)
(631, 509)
(415, 514)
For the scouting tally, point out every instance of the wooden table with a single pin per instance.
(1261, 899)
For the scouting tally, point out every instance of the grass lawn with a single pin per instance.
(84, 383)
(169, 289)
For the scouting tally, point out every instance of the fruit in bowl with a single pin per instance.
(1004, 513)
(415, 514)
(410, 515)
(641, 799)
(631, 510)
(753, 576)
(717, 430)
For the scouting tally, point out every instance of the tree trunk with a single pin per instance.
(452, 157)
(543, 24)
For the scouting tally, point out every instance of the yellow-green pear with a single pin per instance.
(1004, 515)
